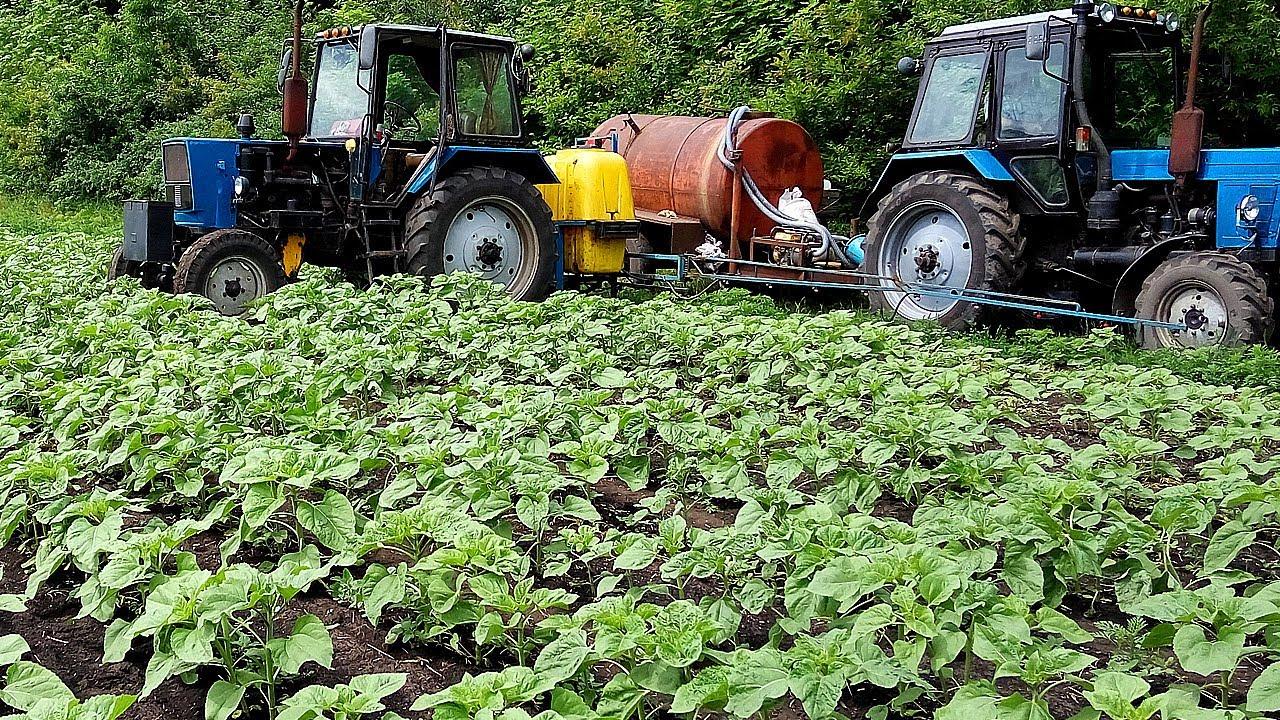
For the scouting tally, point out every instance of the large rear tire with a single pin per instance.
(231, 268)
(945, 230)
(489, 221)
(1221, 299)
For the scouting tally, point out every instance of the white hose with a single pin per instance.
(728, 148)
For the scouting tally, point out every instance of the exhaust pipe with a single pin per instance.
(293, 116)
(1188, 122)
(1103, 208)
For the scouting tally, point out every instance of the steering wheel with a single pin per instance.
(396, 117)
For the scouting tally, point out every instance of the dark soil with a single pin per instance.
(72, 648)
(360, 648)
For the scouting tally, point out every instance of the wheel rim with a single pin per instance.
(926, 244)
(1198, 306)
(233, 283)
(494, 238)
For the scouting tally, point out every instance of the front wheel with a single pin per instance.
(230, 267)
(939, 233)
(1221, 300)
(488, 221)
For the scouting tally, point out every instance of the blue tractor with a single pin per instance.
(1040, 160)
(408, 154)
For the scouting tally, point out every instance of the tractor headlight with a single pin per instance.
(1172, 22)
(1107, 12)
(1249, 210)
(241, 185)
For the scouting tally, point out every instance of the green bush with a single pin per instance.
(91, 93)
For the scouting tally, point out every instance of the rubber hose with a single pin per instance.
(728, 146)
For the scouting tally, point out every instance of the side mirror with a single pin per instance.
(368, 47)
(524, 83)
(910, 66)
(1038, 41)
(286, 62)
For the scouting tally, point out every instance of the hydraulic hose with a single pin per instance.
(728, 149)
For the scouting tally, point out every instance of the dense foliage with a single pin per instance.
(93, 85)
(601, 509)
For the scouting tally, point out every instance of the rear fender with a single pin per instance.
(981, 163)
(1130, 283)
(525, 161)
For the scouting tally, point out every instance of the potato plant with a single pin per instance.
(434, 502)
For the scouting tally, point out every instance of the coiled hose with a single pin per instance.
(830, 243)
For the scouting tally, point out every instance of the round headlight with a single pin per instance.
(241, 186)
(1172, 22)
(1107, 12)
(1249, 209)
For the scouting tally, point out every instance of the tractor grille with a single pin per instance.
(177, 175)
(177, 166)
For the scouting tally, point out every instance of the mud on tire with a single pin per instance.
(1222, 299)
(428, 223)
(997, 246)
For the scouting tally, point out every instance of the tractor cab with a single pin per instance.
(1001, 92)
(381, 86)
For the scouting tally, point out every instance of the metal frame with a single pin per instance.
(1062, 308)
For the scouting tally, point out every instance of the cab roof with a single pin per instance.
(1007, 24)
(353, 32)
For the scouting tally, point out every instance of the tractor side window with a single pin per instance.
(1045, 176)
(341, 102)
(411, 110)
(1030, 99)
(482, 84)
(947, 109)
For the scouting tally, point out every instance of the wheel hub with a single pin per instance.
(233, 282)
(1199, 307)
(1194, 318)
(927, 261)
(489, 254)
(488, 238)
(926, 245)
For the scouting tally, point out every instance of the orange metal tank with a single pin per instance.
(673, 166)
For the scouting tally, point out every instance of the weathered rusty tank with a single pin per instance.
(673, 166)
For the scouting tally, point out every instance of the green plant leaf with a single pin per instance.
(1264, 692)
(1114, 693)
(309, 642)
(1226, 544)
(756, 681)
(27, 683)
(222, 700)
(390, 589)
(378, 685)
(561, 659)
(12, 648)
(332, 520)
(1205, 657)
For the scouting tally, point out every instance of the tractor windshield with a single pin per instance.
(1138, 96)
(341, 102)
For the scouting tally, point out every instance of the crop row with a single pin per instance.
(611, 508)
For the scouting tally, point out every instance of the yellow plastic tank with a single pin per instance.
(593, 207)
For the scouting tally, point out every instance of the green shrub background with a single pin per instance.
(91, 87)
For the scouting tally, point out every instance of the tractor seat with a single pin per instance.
(413, 160)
